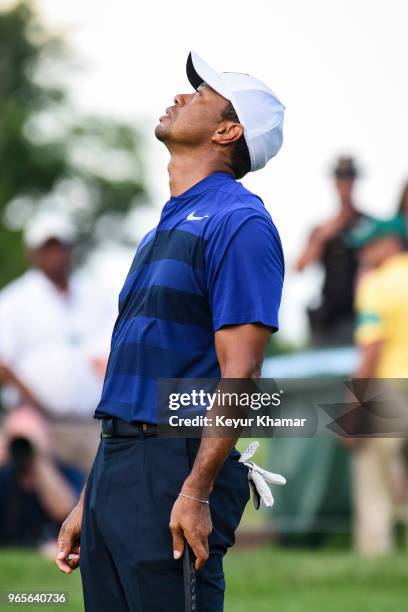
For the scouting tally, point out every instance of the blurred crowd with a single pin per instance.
(364, 300)
(55, 328)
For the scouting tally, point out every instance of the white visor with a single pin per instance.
(259, 110)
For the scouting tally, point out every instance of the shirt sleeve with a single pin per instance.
(371, 312)
(245, 270)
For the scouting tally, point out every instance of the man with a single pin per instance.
(382, 336)
(332, 321)
(200, 301)
(36, 491)
(53, 334)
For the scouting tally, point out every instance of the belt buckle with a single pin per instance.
(110, 428)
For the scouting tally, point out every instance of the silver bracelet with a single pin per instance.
(202, 501)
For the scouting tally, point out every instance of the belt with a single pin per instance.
(112, 427)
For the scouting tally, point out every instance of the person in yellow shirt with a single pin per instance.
(382, 337)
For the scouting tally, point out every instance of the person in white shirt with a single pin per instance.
(54, 339)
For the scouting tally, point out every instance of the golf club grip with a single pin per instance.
(190, 580)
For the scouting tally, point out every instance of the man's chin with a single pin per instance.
(161, 132)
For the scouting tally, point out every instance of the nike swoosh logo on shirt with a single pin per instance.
(192, 217)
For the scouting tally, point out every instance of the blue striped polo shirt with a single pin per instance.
(214, 259)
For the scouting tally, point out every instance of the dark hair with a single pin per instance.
(240, 159)
(345, 168)
(402, 208)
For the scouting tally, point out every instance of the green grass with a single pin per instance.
(28, 571)
(304, 581)
(259, 581)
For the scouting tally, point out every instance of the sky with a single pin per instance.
(337, 65)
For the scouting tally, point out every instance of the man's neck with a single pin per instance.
(347, 207)
(60, 282)
(188, 170)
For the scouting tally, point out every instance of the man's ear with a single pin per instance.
(227, 133)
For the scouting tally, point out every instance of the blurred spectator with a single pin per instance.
(379, 469)
(403, 207)
(36, 492)
(54, 339)
(403, 204)
(331, 323)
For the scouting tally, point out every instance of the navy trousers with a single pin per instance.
(127, 560)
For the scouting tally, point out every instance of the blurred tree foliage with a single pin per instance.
(279, 346)
(51, 157)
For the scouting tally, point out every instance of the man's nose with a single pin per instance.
(180, 99)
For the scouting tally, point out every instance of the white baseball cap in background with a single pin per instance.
(259, 110)
(44, 227)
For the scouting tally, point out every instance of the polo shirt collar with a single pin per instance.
(206, 183)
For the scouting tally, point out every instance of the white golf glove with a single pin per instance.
(258, 478)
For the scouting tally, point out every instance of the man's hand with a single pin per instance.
(191, 520)
(68, 541)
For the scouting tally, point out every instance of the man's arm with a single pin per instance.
(370, 355)
(11, 347)
(317, 242)
(311, 253)
(240, 352)
(7, 377)
(55, 493)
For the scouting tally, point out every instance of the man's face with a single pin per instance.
(344, 187)
(193, 119)
(53, 258)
